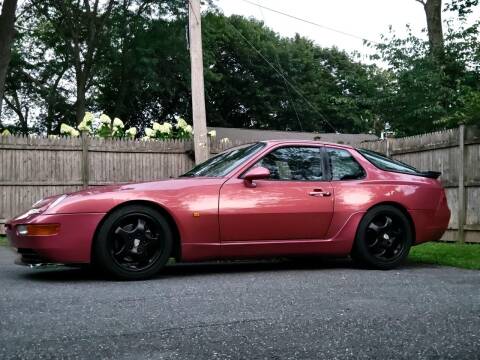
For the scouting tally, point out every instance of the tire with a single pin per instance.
(133, 243)
(383, 239)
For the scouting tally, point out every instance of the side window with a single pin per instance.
(343, 165)
(294, 163)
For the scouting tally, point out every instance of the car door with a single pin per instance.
(296, 202)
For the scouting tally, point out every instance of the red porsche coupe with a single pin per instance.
(272, 198)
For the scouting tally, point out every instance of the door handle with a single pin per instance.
(319, 192)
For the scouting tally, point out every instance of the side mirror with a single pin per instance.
(255, 174)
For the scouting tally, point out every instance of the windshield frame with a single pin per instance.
(256, 146)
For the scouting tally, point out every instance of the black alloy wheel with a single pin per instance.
(383, 239)
(133, 243)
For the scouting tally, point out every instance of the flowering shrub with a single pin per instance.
(180, 130)
(103, 127)
(5, 133)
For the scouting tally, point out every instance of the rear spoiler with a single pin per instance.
(430, 174)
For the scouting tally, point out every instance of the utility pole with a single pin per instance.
(200, 139)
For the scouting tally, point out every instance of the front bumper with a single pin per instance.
(72, 244)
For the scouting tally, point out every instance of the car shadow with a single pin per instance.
(70, 274)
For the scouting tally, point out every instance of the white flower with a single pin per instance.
(165, 128)
(118, 123)
(212, 133)
(84, 126)
(114, 130)
(64, 129)
(225, 140)
(181, 123)
(188, 129)
(105, 119)
(131, 132)
(149, 132)
(88, 118)
(156, 126)
(68, 130)
(145, 138)
(6, 133)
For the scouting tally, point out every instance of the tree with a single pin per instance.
(293, 85)
(426, 95)
(140, 72)
(81, 28)
(433, 13)
(144, 73)
(7, 30)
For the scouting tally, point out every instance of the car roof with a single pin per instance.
(305, 142)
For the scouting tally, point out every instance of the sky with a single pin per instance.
(363, 18)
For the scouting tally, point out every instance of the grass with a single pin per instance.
(3, 240)
(466, 256)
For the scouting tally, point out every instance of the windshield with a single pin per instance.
(221, 164)
(385, 163)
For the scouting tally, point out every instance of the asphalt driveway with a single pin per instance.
(258, 310)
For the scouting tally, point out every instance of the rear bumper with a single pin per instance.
(430, 225)
(72, 244)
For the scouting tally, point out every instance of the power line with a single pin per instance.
(284, 78)
(311, 22)
(290, 99)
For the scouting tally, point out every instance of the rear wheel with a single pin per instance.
(383, 239)
(133, 243)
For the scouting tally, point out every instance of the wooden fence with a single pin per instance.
(456, 153)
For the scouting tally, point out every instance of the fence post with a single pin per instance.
(461, 184)
(85, 159)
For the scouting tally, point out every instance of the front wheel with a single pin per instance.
(383, 239)
(133, 243)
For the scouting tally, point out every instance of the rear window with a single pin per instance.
(387, 164)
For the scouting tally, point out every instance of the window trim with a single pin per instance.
(322, 157)
(416, 172)
(328, 162)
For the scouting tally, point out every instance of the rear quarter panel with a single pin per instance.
(419, 196)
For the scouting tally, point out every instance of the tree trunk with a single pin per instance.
(81, 102)
(433, 12)
(7, 31)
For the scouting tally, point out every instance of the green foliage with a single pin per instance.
(243, 90)
(428, 93)
(139, 72)
(462, 7)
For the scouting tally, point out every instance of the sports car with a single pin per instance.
(266, 199)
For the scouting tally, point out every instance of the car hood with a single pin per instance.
(168, 184)
(103, 198)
